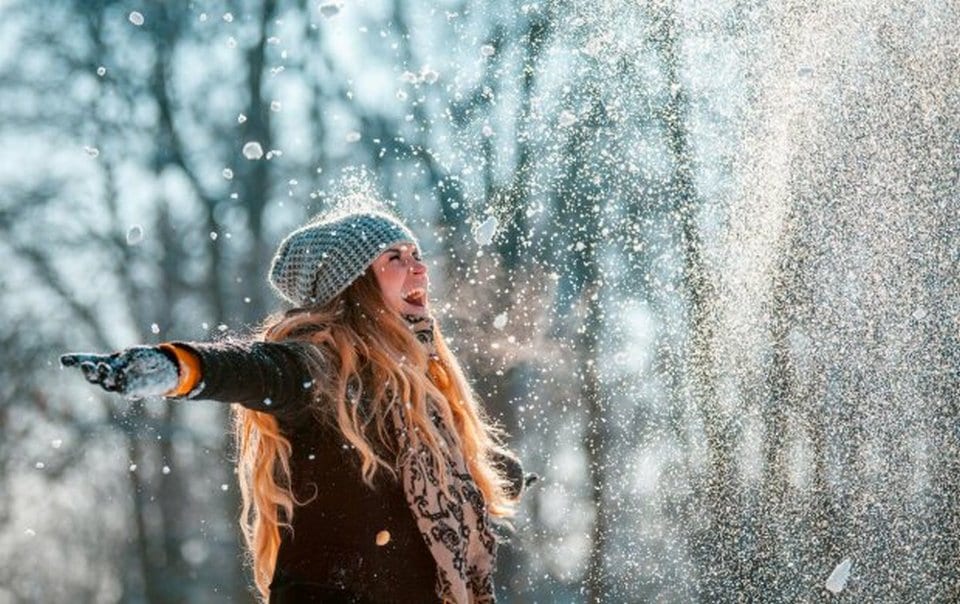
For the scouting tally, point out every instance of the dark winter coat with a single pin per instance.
(331, 555)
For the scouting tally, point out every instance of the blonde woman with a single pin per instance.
(368, 472)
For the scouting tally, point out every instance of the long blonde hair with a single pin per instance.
(360, 351)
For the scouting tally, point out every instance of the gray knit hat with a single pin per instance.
(318, 261)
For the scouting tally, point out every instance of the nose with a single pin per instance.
(417, 267)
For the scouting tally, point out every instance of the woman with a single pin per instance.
(368, 472)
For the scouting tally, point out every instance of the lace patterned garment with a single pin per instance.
(454, 523)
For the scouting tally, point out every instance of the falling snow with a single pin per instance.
(838, 578)
(698, 259)
(252, 150)
(134, 234)
(330, 9)
(484, 232)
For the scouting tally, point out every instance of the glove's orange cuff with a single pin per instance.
(189, 364)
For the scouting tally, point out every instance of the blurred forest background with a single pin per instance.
(700, 259)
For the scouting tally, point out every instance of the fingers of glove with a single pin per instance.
(108, 377)
(102, 374)
(78, 358)
(91, 371)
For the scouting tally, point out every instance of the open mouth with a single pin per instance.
(416, 297)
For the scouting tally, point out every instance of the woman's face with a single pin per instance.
(402, 277)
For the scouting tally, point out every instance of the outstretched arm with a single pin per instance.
(265, 376)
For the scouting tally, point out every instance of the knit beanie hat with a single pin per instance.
(318, 261)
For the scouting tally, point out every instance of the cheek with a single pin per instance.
(390, 280)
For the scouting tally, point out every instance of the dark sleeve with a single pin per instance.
(264, 376)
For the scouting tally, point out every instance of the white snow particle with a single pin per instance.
(136, 18)
(252, 150)
(166, 469)
(56, 443)
(213, 235)
(155, 328)
(487, 50)
(224, 487)
(101, 71)
(133, 467)
(567, 119)
(228, 173)
(409, 77)
(273, 40)
(275, 106)
(39, 465)
(330, 9)
(30, 532)
(838, 578)
(222, 327)
(486, 131)
(483, 234)
(428, 75)
(134, 234)
(241, 118)
(352, 136)
(228, 17)
(92, 151)
(500, 321)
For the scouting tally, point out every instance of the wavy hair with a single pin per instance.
(360, 352)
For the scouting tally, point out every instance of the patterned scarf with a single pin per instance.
(454, 523)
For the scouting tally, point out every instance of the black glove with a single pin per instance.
(135, 372)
